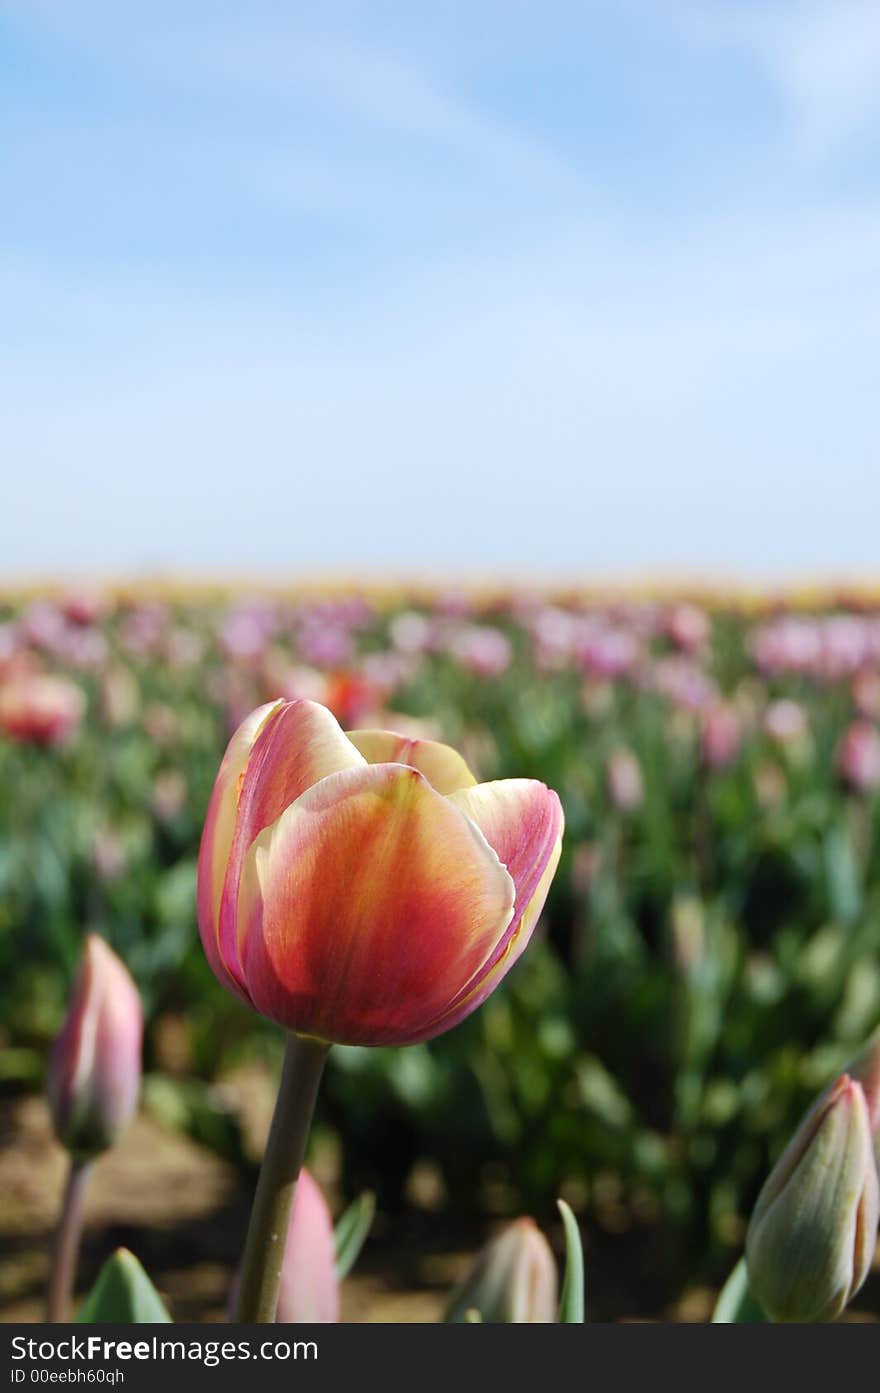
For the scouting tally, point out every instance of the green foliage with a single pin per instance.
(350, 1233)
(571, 1300)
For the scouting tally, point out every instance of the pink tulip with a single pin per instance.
(721, 736)
(785, 721)
(40, 710)
(623, 776)
(688, 626)
(95, 1068)
(83, 606)
(858, 757)
(309, 1286)
(363, 888)
(485, 651)
(866, 694)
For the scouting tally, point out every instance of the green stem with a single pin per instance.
(67, 1240)
(270, 1216)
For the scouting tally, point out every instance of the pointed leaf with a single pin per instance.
(351, 1232)
(571, 1302)
(123, 1295)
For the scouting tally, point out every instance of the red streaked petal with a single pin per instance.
(218, 833)
(300, 744)
(368, 907)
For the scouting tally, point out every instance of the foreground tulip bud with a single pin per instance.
(811, 1237)
(309, 1288)
(95, 1068)
(363, 889)
(513, 1280)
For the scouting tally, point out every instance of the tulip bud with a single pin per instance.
(811, 1236)
(95, 1068)
(513, 1280)
(309, 1287)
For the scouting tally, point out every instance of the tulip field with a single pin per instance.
(624, 997)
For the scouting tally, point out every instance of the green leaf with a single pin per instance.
(123, 1295)
(571, 1302)
(736, 1305)
(351, 1232)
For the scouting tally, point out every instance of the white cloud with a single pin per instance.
(822, 55)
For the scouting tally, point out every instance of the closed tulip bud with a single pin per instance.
(811, 1236)
(309, 1286)
(363, 889)
(513, 1280)
(95, 1068)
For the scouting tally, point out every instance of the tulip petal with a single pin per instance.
(367, 907)
(513, 945)
(441, 765)
(523, 820)
(280, 750)
(218, 832)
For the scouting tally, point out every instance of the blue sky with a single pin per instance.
(503, 286)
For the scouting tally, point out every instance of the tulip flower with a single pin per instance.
(721, 736)
(688, 626)
(40, 710)
(358, 889)
(811, 1237)
(623, 777)
(93, 1084)
(363, 889)
(513, 1280)
(858, 757)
